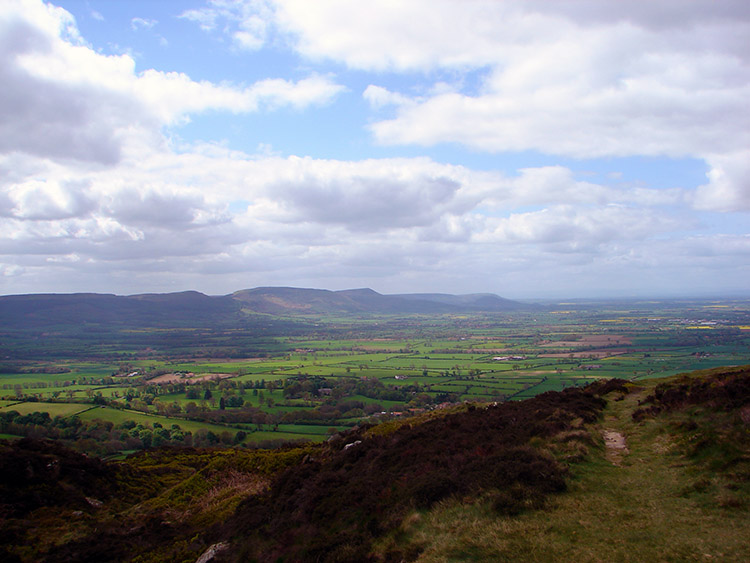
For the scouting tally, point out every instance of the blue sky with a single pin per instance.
(533, 149)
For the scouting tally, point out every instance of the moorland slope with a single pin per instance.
(657, 470)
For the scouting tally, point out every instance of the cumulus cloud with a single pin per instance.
(369, 195)
(574, 228)
(61, 99)
(246, 22)
(36, 200)
(174, 96)
(590, 93)
(728, 188)
(50, 118)
(142, 23)
(575, 78)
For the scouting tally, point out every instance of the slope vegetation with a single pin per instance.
(658, 470)
(679, 489)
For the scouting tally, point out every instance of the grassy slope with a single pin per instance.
(657, 505)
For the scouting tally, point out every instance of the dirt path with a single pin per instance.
(639, 500)
(616, 446)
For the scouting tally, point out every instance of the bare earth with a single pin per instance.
(616, 446)
(190, 378)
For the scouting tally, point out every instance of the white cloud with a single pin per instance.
(728, 188)
(174, 96)
(245, 22)
(576, 78)
(429, 34)
(142, 23)
(61, 99)
(571, 228)
(36, 200)
(378, 97)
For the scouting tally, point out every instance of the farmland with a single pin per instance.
(330, 373)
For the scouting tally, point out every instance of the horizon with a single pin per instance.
(534, 150)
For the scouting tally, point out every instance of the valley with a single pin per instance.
(132, 380)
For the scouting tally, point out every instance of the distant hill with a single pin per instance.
(471, 301)
(191, 308)
(170, 309)
(291, 301)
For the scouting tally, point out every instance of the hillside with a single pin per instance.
(470, 302)
(296, 301)
(191, 308)
(658, 470)
(74, 310)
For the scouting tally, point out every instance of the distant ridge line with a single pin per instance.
(165, 309)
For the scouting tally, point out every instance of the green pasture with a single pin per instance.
(54, 409)
(117, 416)
(270, 376)
(382, 402)
(413, 363)
(310, 429)
(30, 380)
(323, 371)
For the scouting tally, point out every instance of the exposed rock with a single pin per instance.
(212, 551)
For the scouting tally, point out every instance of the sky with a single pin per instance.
(533, 149)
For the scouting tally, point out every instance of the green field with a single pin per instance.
(354, 369)
(54, 409)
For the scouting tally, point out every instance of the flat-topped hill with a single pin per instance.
(192, 307)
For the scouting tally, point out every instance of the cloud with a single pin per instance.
(560, 100)
(575, 78)
(378, 97)
(142, 23)
(373, 195)
(62, 100)
(247, 23)
(35, 200)
(174, 96)
(568, 228)
(45, 117)
(423, 35)
(728, 188)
